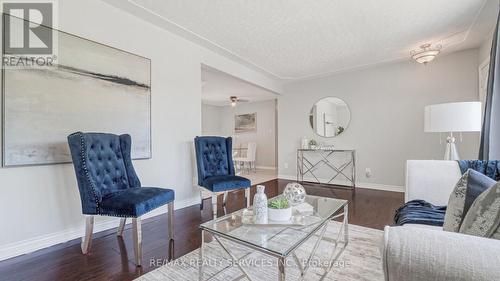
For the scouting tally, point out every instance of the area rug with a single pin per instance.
(360, 260)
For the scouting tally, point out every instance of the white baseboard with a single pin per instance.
(367, 185)
(266, 167)
(102, 223)
(380, 186)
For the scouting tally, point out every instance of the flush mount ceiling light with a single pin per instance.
(235, 99)
(426, 53)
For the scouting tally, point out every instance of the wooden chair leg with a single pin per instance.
(201, 200)
(171, 220)
(121, 226)
(214, 205)
(224, 202)
(137, 234)
(87, 239)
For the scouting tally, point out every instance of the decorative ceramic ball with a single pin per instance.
(295, 193)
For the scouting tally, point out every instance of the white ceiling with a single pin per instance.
(218, 87)
(297, 39)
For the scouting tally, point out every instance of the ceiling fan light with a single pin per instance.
(426, 53)
(425, 58)
(234, 100)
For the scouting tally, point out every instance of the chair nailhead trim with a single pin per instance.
(125, 216)
(86, 171)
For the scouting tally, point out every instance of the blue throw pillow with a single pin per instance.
(476, 184)
(468, 188)
(483, 218)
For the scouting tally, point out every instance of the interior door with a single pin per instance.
(329, 125)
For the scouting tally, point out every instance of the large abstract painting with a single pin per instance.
(94, 88)
(245, 123)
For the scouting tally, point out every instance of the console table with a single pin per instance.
(310, 166)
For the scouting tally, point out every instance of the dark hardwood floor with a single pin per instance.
(112, 257)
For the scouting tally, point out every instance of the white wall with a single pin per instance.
(265, 135)
(387, 114)
(212, 120)
(41, 205)
(483, 68)
(485, 49)
(219, 120)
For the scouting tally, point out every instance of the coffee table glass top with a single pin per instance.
(276, 238)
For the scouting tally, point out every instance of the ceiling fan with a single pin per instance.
(234, 100)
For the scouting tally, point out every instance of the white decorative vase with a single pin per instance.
(260, 206)
(280, 214)
(295, 193)
(305, 143)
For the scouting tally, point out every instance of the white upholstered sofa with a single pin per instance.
(420, 252)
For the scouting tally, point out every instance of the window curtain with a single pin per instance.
(490, 135)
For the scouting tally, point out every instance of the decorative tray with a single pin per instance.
(298, 219)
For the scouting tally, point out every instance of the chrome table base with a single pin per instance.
(340, 242)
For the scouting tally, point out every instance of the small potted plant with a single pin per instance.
(340, 130)
(278, 209)
(313, 144)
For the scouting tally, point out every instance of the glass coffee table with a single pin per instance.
(280, 240)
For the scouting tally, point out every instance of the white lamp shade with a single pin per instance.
(453, 117)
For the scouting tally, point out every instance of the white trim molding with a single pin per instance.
(266, 167)
(40, 242)
(367, 185)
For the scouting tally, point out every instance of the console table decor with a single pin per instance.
(312, 161)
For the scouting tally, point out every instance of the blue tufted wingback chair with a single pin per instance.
(214, 161)
(109, 186)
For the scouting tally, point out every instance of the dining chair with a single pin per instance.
(214, 162)
(249, 159)
(109, 186)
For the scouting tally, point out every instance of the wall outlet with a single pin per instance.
(368, 172)
(285, 165)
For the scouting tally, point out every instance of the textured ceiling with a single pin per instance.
(218, 87)
(296, 39)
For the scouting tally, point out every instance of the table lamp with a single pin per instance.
(455, 117)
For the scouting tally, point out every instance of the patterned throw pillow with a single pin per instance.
(483, 217)
(468, 188)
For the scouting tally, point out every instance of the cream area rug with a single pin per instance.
(360, 260)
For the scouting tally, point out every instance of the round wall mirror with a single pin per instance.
(330, 117)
